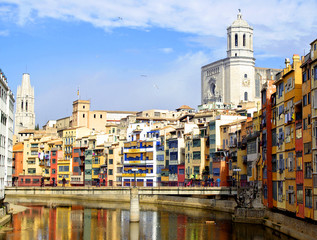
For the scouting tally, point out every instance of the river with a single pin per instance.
(91, 220)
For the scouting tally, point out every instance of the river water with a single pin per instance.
(108, 221)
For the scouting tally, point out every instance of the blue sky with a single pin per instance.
(137, 54)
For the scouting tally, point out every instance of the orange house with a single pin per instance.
(17, 162)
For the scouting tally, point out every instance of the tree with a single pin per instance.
(37, 127)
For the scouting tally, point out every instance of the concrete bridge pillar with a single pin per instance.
(134, 205)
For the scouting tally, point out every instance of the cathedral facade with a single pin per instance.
(235, 79)
(24, 113)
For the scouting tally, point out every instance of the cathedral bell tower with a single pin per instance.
(240, 38)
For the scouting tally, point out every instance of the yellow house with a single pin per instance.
(292, 79)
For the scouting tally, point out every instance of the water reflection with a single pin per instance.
(82, 222)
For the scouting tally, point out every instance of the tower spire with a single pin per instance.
(239, 16)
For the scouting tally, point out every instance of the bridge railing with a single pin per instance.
(186, 183)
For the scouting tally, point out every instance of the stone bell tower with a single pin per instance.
(24, 113)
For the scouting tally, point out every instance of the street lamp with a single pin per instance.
(134, 170)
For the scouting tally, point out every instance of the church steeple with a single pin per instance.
(24, 113)
(240, 38)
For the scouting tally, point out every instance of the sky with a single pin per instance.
(136, 55)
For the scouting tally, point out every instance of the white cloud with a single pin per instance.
(166, 50)
(4, 33)
(274, 21)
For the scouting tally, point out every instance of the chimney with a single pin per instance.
(296, 58)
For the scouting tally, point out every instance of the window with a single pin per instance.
(36, 180)
(280, 90)
(181, 171)
(309, 119)
(53, 170)
(304, 76)
(63, 169)
(53, 153)
(280, 191)
(110, 172)
(315, 73)
(216, 171)
(110, 161)
(274, 163)
(94, 115)
(236, 39)
(274, 190)
(290, 162)
(251, 147)
(196, 142)
(281, 166)
(196, 155)
(100, 115)
(307, 148)
(305, 124)
(274, 142)
(245, 75)
(110, 151)
(84, 107)
(84, 115)
(245, 96)
(53, 161)
(291, 195)
(305, 100)
(308, 170)
(308, 198)
(308, 98)
(31, 170)
(243, 40)
(212, 126)
(173, 156)
(315, 99)
(299, 161)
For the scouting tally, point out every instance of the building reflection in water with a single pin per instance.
(78, 222)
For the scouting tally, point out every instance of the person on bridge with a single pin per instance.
(64, 181)
(218, 182)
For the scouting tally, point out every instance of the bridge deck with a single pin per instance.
(223, 191)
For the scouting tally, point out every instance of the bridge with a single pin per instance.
(120, 191)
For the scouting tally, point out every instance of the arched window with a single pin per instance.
(245, 96)
(236, 39)
(229, 41)
(21, 105)
(243, 40)
(245, 75)
(26, 106)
